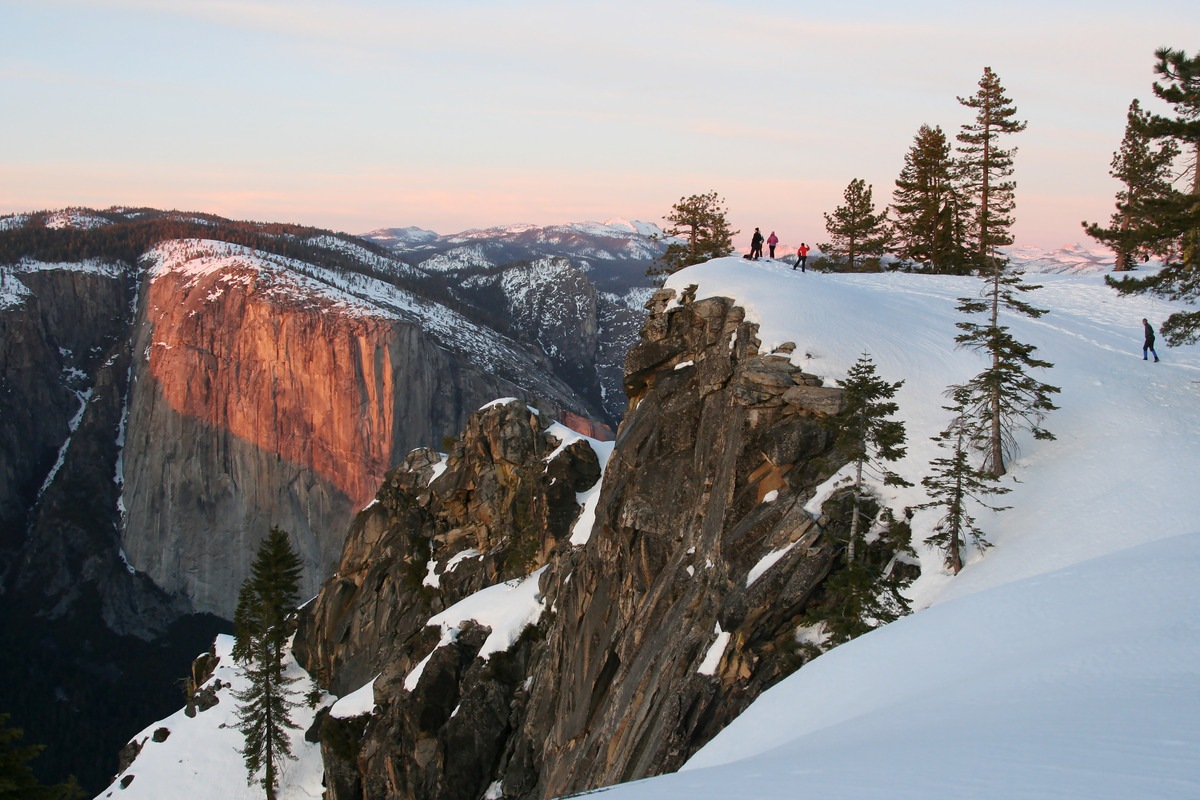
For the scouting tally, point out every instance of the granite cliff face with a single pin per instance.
(659, 623)
(167, 395)
(264, 398)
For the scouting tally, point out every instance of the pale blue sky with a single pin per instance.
(454, 114)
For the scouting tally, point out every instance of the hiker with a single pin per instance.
(772, 240)
(1148, 344)
(756, 243)
(801, 257)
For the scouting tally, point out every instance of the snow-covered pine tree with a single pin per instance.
(702, 222)
(954, 483)
(928, 212)
(868, 435)
(984, 168)
(265, 602)
(856, 231)
(1176, 215)
(1145, 173)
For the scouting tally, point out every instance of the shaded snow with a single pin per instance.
(506, 608)
(360, 701)
(201, 756)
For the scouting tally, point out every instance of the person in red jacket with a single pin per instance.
(772, 240)
(801, 257)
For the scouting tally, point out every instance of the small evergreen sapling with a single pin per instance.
(954, 483)
(868, 436)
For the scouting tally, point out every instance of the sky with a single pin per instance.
(1061, 663)
(458, 114)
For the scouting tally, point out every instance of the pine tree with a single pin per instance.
(955, 483)
(928, 211)
(701, 220)
(1176, 215)
(867, 436)
(17, 780)
(261, 629)
(1145, 173)
(855, 230)
(861, 595)
(1004, 396)
(985, 166)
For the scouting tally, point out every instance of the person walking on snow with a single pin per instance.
(756, 243)
(772, 240)
(1148, 344)
(801, 257)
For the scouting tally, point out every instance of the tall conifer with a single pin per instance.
(928, 211)
(985, 167)
(1144, 171)
(261, 630)
(1176, 215)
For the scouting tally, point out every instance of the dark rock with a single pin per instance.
(605, 688)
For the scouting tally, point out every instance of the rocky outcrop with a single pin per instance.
(678, 611)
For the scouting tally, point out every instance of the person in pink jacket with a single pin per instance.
(772, 240)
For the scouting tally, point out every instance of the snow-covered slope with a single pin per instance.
(1062, 663)
(200, 756)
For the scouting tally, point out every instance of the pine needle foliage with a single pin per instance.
(17, 779)
(701, 221)
(1175, 216)
(860, 596)
(1145, 171)
(1004, 397)
(985, 167)
(954, 484)
(929, 213)
(261, 629)
(855, 229)
(868, 436)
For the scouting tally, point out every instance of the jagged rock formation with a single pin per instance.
(167, 395)
(654, 634)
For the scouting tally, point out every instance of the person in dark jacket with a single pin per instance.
(756, 243)
(1148, 344)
